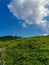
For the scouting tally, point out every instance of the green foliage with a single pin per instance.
(8, 38)
(26, 51)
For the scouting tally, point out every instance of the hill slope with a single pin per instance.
(25, 51)
(6, 38)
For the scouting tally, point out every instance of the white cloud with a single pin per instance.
(24, 25)
(45, 34)
(31, 11)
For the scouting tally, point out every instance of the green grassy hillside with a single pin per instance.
(25, 51)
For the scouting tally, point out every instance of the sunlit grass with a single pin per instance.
(26, 51)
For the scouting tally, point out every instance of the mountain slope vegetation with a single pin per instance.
(25, 51)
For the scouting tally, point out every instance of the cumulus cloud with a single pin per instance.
(31, 11)
(45, 34)
(24, 25)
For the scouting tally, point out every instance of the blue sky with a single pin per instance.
(12, 25)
